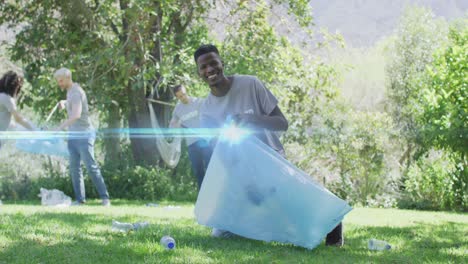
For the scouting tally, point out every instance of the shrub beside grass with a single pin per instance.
(143, 183)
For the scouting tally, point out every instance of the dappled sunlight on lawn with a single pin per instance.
(43, 234)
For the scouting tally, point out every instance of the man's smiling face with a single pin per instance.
(210, 68)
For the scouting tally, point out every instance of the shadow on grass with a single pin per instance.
(77, 238)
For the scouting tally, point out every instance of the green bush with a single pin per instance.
(348, 151)
(431, 183)
(123, 180)
(139, 183)
(18, 184)
(15, 186)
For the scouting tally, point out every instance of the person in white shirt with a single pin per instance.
(10, 87)
(186, 115)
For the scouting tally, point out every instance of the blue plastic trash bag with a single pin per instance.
(56, 147)
(252, 191)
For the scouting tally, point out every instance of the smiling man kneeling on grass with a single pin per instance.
(249, 104)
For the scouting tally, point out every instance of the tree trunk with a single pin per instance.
(112, 145)
(143, 148)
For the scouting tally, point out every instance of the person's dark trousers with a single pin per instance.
(335, 237)
(199, 154)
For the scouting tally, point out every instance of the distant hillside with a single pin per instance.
(360, 22)
(363, 22)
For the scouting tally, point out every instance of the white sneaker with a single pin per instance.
(106, 202)
(219, 233)
(77, 203)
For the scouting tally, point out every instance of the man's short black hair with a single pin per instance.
(204, 49)
(177, 88)
(11, 83)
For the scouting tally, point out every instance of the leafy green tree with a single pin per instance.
(348, 150)
(445, 108)
(350, 144)
(445, 99)
(117, 49)
(418, 35)
(252, 46)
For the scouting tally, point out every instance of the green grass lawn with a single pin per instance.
(36, 234)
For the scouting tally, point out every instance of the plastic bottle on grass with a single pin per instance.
(168, 242)
(375, 244)
(140, 225)
(123, 227)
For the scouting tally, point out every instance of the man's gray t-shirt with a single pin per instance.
(7, 106)
(75, 95)
(247, 95)
(188, 115)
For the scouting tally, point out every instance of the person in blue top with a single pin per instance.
(249, 103)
